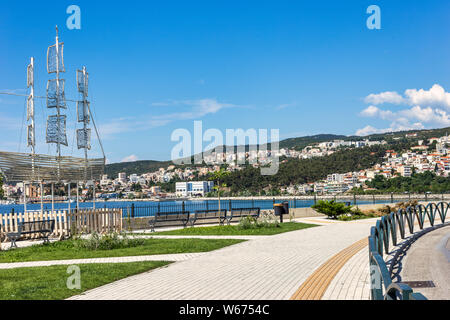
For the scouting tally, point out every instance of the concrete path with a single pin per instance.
(428, 259)
(271, 267)
(159, 257)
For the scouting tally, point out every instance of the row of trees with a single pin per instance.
(417, 183)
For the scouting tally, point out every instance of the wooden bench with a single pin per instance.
(209, 215)
(169, 219)
(43, 228)
(243, 212)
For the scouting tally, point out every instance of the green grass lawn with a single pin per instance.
(50, 283)
(63, 250)
(235, 230)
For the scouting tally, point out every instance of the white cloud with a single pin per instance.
(395, 126)
(198, 108)
(428, 115)
(436, 96)
(373, 111)
(130, 158)
(195, 109)
(384, 97)
(427, 107)
(367, 130)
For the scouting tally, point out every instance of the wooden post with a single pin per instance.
(93, 193)
(24, 196)
(68, 191)
(42, 197)
(78, 204)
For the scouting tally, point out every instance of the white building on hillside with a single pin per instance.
(193, 188)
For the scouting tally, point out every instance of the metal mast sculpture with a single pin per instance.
(56, 124)
(31, 140)
(83, 135)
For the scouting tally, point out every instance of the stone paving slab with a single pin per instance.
(159, 257)
(428, 259)
(263, 268)
(24, 243)
(353, 281)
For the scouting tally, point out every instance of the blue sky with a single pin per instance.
(304, 67)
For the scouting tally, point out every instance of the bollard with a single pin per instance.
(132, 210)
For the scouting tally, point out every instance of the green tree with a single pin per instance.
(331, 208)
(218, 177)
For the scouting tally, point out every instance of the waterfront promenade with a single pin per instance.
(268, 267)
(327, 262)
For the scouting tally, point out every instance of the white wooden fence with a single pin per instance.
(66, 223)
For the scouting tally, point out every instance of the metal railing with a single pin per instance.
(146, 209)
(149, 208)
(382, 287)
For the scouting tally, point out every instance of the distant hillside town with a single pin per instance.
(427, 155)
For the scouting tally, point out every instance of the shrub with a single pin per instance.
(356, 215)
(264, 221)
(332, 209)
(108, 241)
(387, 209)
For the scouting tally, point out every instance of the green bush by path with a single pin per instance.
(50, 283)
(71, 249)
(109, 241)
(237, 230)
(332, 209)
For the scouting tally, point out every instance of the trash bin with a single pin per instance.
(279, 210)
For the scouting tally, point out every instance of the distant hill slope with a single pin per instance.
(302, 142)
(140, 167)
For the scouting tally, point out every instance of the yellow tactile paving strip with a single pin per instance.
(315, 286)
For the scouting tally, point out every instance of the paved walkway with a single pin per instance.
(270, 267)
(160, 257)
(428, 259)
(325, 262)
